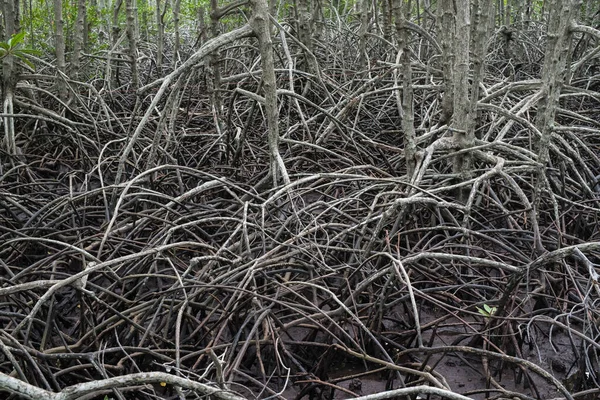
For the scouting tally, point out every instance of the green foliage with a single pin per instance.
(98, 37)
(70, 18)
(38, 20)
(14, 48)
(188, 8)
(145, 6)
(487, 311)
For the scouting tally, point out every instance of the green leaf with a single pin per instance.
(16, 39)
(486, 311)
(490, 310)
(5, 46)
(33, 52)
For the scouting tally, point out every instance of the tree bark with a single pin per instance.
(261, 27)
(115, 33)
(445, 31)
(78, 39)
(59, 45)
(160, 35)
(9, 74)
(402, 14)
(460, 121)
(460, 88)
(519, 8)
(213, 76)
(483, 23)
(386, 15)
(305, 27)
(115, 29)
(200, 25)
(317, 19)
(558, 40)
(131, 12)
(469, 39)
(176, 13)
(362, 36)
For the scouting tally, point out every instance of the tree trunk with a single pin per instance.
(305, 28)
(519, 6)
(362, 36)
(78, 39)
(95, 10)
(131, 12)
(558, 41)
(145, 34)
(115, 33)
(176, 12)
(213, 77)
(115, 29)
(59, 45)
(483, 23)
(386, 15)
(200, 25)
(461, 104)
(317, 19)
(402, 15)
(507, 13)
(261, 27)
(469, 39)
(9, 74)
(445, 31)
(160, 26)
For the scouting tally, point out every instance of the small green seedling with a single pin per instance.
(487, 311)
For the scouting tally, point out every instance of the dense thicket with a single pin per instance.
(333, 201)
